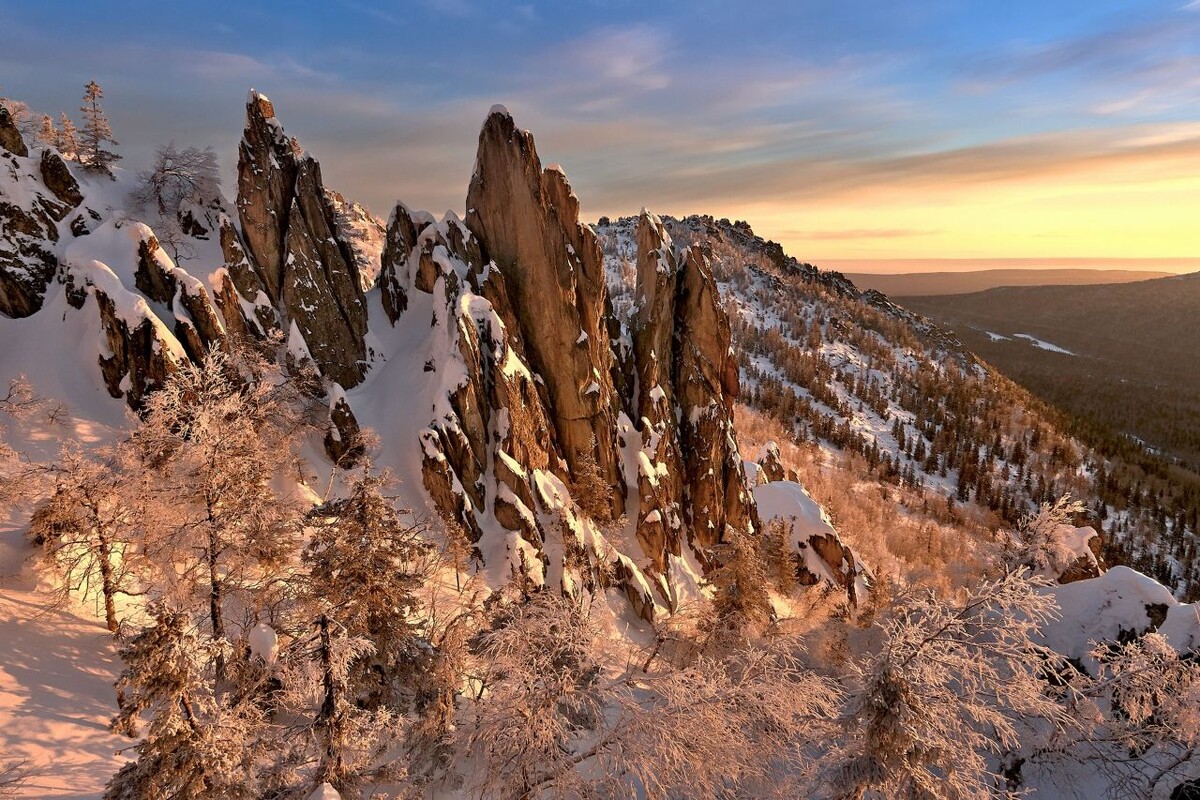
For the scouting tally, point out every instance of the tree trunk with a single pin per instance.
(214, 598)
(333, 767)
(108, 582)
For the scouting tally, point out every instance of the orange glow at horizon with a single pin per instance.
(1135, 212)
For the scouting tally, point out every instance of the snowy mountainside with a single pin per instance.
(568, 411)
(866, 380)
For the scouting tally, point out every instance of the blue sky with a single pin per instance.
(848, 129)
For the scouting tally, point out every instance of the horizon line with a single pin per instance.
(884, 266)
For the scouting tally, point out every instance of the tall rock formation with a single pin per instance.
(690, 477)
(535, 392)
(290, 229)
(527, 221)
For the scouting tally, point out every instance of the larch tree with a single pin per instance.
(365, 570)
(197, 744)
(212, 440)
(740, 597)
(87, 528)
(96, 133)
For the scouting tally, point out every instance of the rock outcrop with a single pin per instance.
(527, 221)
(10, 137)
(539, 372)
(307, 271)
(36, 194)
(688, 382)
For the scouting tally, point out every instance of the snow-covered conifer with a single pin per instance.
(97, 132)
(47, 134)
(366, 568)
(197, 745)
(740, 598)
(67, 143)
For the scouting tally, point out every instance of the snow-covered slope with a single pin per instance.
(561, 401)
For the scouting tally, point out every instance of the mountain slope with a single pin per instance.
(1131, 349)
(631, 435)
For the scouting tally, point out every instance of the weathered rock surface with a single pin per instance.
(241, 296)
(660, 463)
(527, 220)
(290, 230)
(59, 180)
(770, 464)
(10, 137)
(706, 385)
(35, 195)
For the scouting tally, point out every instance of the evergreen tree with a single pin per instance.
(67, 143)
(96, 132)
(47, 135)
(741, 598)
(365, 568)
(195, 746)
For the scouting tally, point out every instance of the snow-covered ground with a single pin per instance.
(1042, 344)
(56, 686)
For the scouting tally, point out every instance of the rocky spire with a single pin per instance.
(527, 221)
(266, 182)
(706, 386)
(690, 476)
(291, 239)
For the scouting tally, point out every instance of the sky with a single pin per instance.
(859, 133)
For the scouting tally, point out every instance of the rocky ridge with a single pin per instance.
(572, 446)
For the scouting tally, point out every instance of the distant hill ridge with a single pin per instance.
(910, 284)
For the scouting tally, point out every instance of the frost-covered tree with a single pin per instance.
(17, 403)
(947, 688)
(1137, 718)
(197, 744)
(777, 554)
(67, 142)
(96, 133)
(178, 176)
(212, 440)
(351, 739)
(740, 597)
(87, 526)
(365, 570)
(536, 700)
(47, 134)
(590, 491)
(550, 720)
(1040, 540)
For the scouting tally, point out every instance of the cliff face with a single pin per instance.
(296, 248)
(527, 220)
(535, 436)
